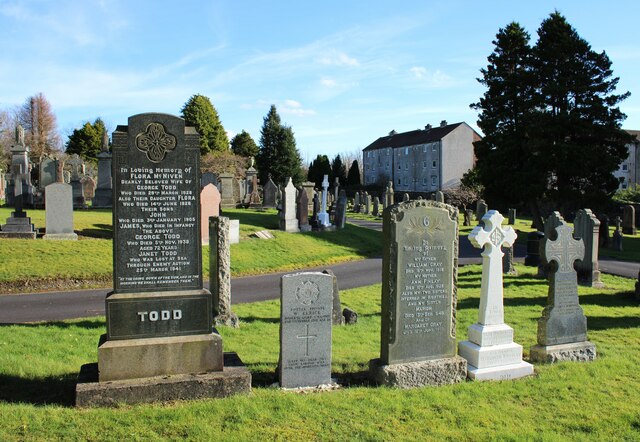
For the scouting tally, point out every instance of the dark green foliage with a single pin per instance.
(278, 157)
(353, 177)
(200, 113)
(549, 115)
(87, 141)
(242, 144)
(318, 169)
(339, 170)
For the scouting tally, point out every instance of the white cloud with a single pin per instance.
(292, 107)
(434, 79)
(337, 58)
(328, 82)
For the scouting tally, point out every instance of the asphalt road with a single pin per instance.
(56, 306)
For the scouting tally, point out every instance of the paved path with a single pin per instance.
(55, 306)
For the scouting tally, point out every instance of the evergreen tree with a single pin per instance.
(242, 144)
(200, 113)
(318, 169)
(338, 170)
(551, 109)
(353, 177)
(87, 141)
(278, 156)
(579, 125)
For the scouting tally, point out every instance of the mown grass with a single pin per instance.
(31, 264)
(568, 401)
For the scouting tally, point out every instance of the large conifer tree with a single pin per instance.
(199, 112)
(278, 156)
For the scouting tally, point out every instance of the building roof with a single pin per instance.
(414, 137)
(635, 133)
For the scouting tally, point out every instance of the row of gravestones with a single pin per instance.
(160, 343)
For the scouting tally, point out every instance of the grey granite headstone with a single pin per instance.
(481, 209)
(59, 212)
(366, 203)
(302, 211)
(220, 271)
(306, 303)
(512, 217)
(629, 220)
(376, 206)
(439, 196)
(419, 295)
(19, 225)
(341, 210)
(77, 172)
(388, 195)
(587, 227)
(616, 239)
(467, 217)
(288, 220)
(356, 203)
(227, 195)
(48, 172)
(269, 195)
(507, 261)
(208, 178)
(604, 231)
(533, 249)
(307, 186)
(562, 329)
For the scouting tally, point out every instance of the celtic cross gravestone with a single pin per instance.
(490, 351)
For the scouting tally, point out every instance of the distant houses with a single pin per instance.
(423, 160)
(629, 171)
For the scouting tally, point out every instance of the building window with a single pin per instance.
(388, 151)
(433, 147)
(399, 166)
(624, 186)
(434, 180)
(424, 148)
(399, 181)
(406, 151)
(424, 181)
(434, 164)
(406, 166)
(424, 164)
(625, 167)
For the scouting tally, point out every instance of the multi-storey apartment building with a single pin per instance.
(423, 160)
(629, 171)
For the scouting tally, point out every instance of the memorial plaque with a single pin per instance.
(306, 306)
(419, 282)
(156, 244)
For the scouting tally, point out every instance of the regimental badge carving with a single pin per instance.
(497, 237)
(307, 293)
(155, 142)
(425, 225)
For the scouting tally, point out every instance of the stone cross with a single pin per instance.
(77, 167)
(565, 250)
(323, 216)
(492, 237)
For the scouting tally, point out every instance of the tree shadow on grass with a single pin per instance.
(266, 220)
(101, 231)
(619, 299)
(59, 390)
(252, 319)
(608, 322)
(474, 302)
(86, 324)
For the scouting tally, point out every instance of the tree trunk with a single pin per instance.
(538, 222)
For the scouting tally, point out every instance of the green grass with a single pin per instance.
(568, 401)
(27, 265)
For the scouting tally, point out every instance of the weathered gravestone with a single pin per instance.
(507, 261)
(220, 271)
(419, 295)
(288, 220)
(341, 210)
(48, 172)
(103, 197)
(604, 231)
(59, 212)
(616, 239)
(439, 196)
(302, 211)
(306, 301)
(366, 203)
(356, 203)
(269, 195)
(388, 195)
(562, 329)
(159, 343)
(209, 206)
(376, 206)
(481, 209)
(512, 217)
(77, 171)
(208, 178)
(533, 249)
(490, 351)
(227, 197)
(336, 312)
(405, 197)
(88, 188)
(468, 214)
(587, 228)
(254, 197)
(629, 220)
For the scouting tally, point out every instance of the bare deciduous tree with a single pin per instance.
(39, 122)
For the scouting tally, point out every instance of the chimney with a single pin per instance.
(443, 123)
(392, 133)
(427, 127)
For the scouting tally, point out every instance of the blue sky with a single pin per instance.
(341, 73)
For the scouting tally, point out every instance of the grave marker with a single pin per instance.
(490, 351)
(59, 212)
(587, 228)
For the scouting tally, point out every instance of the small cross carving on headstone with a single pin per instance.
(306, 337)
(77, 167)
(492, 236)
(564, 250)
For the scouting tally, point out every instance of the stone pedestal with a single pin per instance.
(574, 351)
(18, 226)
(235, 378)
(418, 374)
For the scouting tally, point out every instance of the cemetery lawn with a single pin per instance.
(40, 265)
(568, 401)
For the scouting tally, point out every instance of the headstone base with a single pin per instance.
(18, 227)
(575, 351)
(501, 373)
(61, 236)
(305, 228)
(435, 372)
(490, 355)
(235, 378)
(18, 235)
(289, 225)
(143, 358)
(103, 199)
